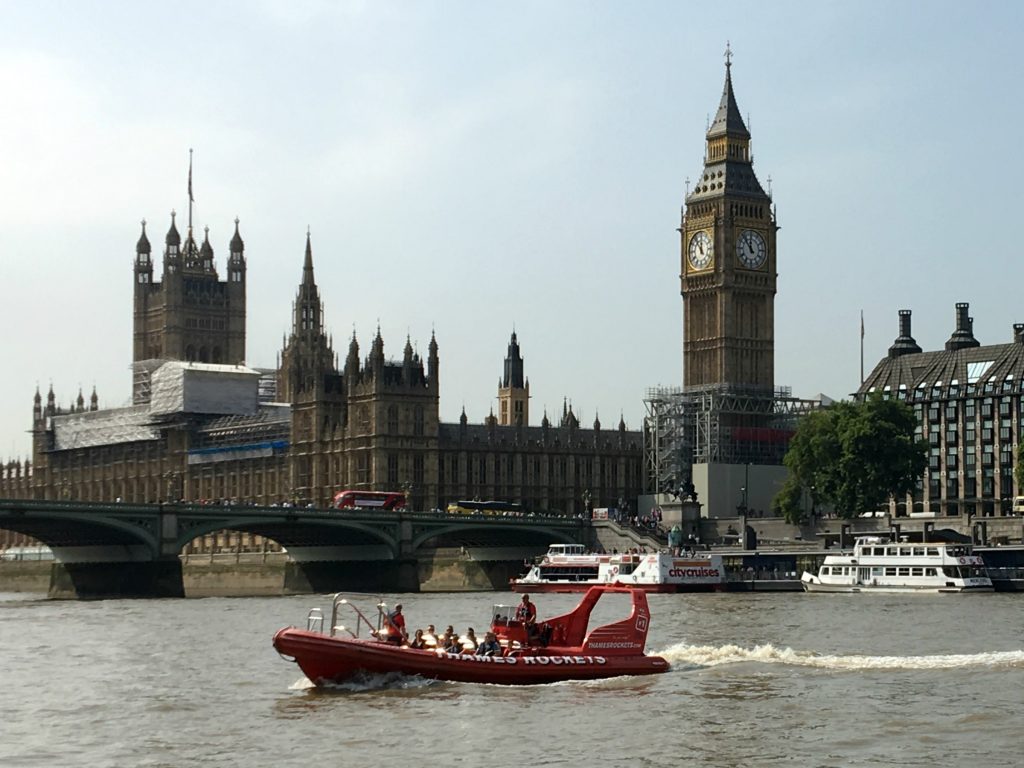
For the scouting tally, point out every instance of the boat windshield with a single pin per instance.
(501, 615)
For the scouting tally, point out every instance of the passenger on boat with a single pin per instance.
(417, 641)
(469, 641)
(430, 637)
(395, 626)
(452, 644)
(490, 646)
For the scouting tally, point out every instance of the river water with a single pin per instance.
(756, 680)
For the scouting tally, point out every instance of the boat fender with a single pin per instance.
(634, 578)
(963, 561)
(615, 569)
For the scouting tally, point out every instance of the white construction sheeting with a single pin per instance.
(91, 428)
(204, 388)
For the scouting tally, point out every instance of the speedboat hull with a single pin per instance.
(812, 583)
(325, 659)
(572, 587)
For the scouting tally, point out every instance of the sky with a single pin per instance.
(470, 168)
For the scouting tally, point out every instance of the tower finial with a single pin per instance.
(728, 56)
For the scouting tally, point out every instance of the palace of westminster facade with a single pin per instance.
(311, 427)
(204, 427)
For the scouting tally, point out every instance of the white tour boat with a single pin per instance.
(879, 565)
(568, 568)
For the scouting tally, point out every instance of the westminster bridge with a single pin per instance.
(132, 550)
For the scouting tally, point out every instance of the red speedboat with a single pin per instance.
(560, 648)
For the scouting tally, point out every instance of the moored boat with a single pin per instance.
(559, 648)
(879, 565)
(568, 568)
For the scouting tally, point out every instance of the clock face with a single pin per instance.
(750, 249)
(701, 250)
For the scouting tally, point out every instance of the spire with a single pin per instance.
(143, 245)
(173, 238)
(597, 422)
(622, 423)
(80, 402)
(307, 266)
(728, 120)
(206, 250)
(237, 246)
(94, 401)
(463, 419)
(513, 365)
(728, 164)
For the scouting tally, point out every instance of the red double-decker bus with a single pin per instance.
(369, 499)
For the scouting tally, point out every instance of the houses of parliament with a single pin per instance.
(204, 426)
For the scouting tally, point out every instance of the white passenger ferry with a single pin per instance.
(568, 568)
(880, 565)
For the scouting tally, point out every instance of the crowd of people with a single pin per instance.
(394, 631)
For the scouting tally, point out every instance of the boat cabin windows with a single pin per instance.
(568, 572)
(566, 549)
(933, 551)
(930, 572)
(918, 551)
(902, 571)
(917, 571)
(890, 571)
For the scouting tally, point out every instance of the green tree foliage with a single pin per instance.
(852, 456)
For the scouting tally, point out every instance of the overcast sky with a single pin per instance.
(472, 167)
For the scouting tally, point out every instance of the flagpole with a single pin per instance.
(862, 346)
(190, 189)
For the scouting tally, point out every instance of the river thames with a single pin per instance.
(756, 680)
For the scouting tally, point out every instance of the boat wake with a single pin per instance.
(390, 681)
(682, 654)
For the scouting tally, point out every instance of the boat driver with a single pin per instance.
(394, 624)
(526, 612)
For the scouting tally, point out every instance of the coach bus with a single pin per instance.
(388, 500)
(485, 508)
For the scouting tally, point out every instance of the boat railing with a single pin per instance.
(341, 606)
(315, 620)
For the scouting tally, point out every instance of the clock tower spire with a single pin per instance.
(728, 273)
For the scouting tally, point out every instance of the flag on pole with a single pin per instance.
(861, 313)
(190, 198)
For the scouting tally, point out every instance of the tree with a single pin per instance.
(853, 456)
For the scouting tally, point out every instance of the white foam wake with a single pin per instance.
(368, 681)
(712, 656)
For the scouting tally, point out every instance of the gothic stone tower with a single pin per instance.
(513, 390)
(190, 315)
(392, 430)
(308, 379)
(728, 263)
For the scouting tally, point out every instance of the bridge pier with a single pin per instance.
(96, 580)
(317, 577)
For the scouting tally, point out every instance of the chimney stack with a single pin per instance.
(904, 344)
(963, 336)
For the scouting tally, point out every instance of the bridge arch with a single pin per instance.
(294, 533)
(63, 530)
(539, 534)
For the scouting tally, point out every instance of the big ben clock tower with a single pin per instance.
(728, 263)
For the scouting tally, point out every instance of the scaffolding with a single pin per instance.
(715, 425)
